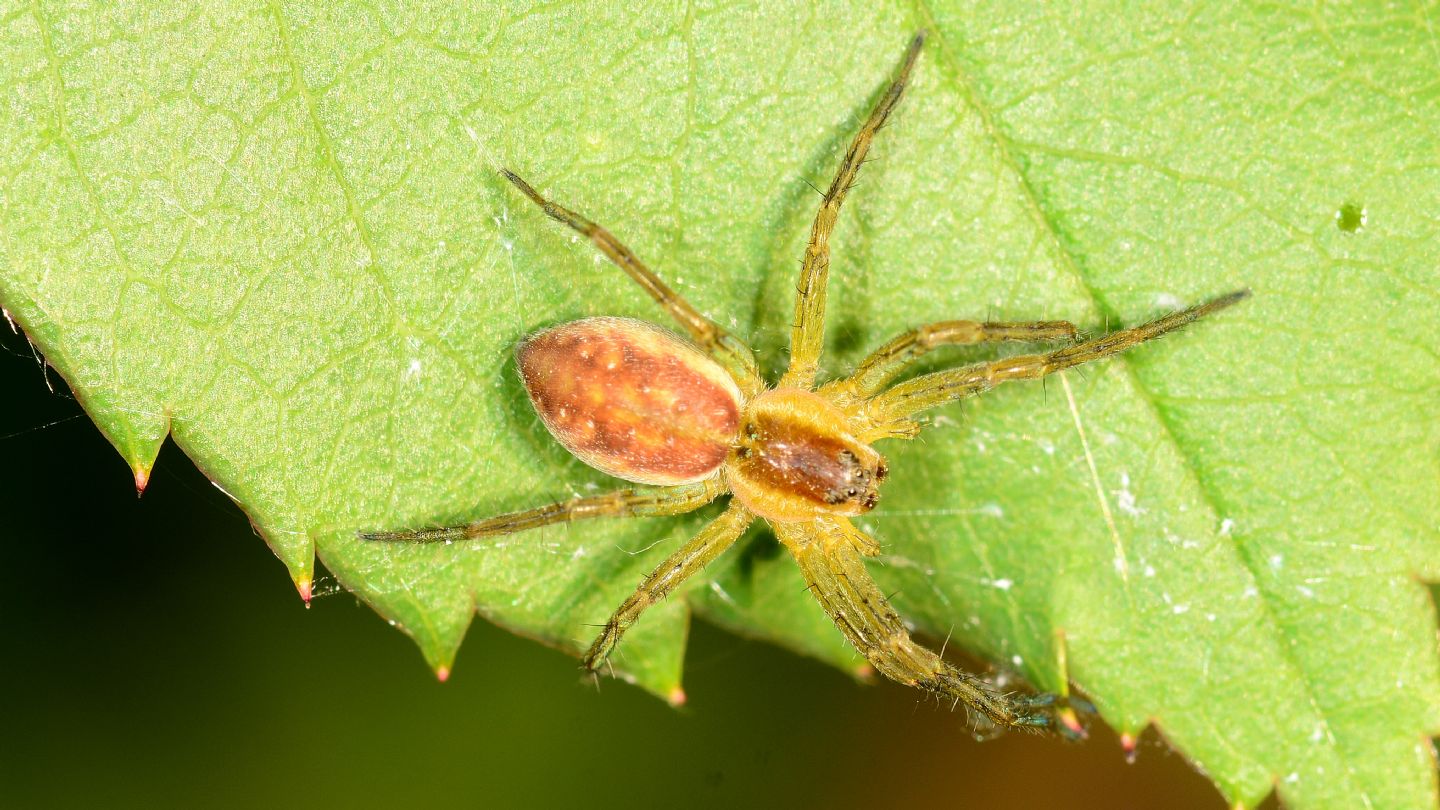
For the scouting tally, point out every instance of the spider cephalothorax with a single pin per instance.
(693, 420)
(797, 458)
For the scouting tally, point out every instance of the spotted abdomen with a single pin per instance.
(631, 399)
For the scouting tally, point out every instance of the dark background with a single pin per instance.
(155, 654)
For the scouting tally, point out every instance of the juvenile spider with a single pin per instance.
(693, 420)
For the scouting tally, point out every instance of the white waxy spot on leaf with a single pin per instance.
(1125, 499)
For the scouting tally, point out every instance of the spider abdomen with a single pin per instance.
(631, 399)
(796, 459)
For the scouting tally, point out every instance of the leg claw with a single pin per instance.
(1058, 713)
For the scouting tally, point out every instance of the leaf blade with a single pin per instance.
(292, 227)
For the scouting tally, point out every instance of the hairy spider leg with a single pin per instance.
(830, 560)
(897, 404)
(889, 360)
(807, 332)
(731, 353)
(639, 502)
(709, 543)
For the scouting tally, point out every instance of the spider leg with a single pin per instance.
(807, 333)
(892, 358)
(897, 404)
(831, 562)
(622, 503)
(725, 347)
(709, 543)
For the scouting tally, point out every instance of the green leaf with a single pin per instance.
(276, 233)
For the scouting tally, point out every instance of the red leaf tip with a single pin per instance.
(1127, 744)
(1071, 722)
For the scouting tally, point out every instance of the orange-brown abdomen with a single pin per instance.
(631, 399)
(796, 459)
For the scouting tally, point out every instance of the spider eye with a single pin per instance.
(881, 471)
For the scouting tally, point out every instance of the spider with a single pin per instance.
(692, 420)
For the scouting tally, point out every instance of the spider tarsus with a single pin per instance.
(1228, 299)
(519, 182)
(1059, 714)
(445, 535)
(992, 712)
(599, 653)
